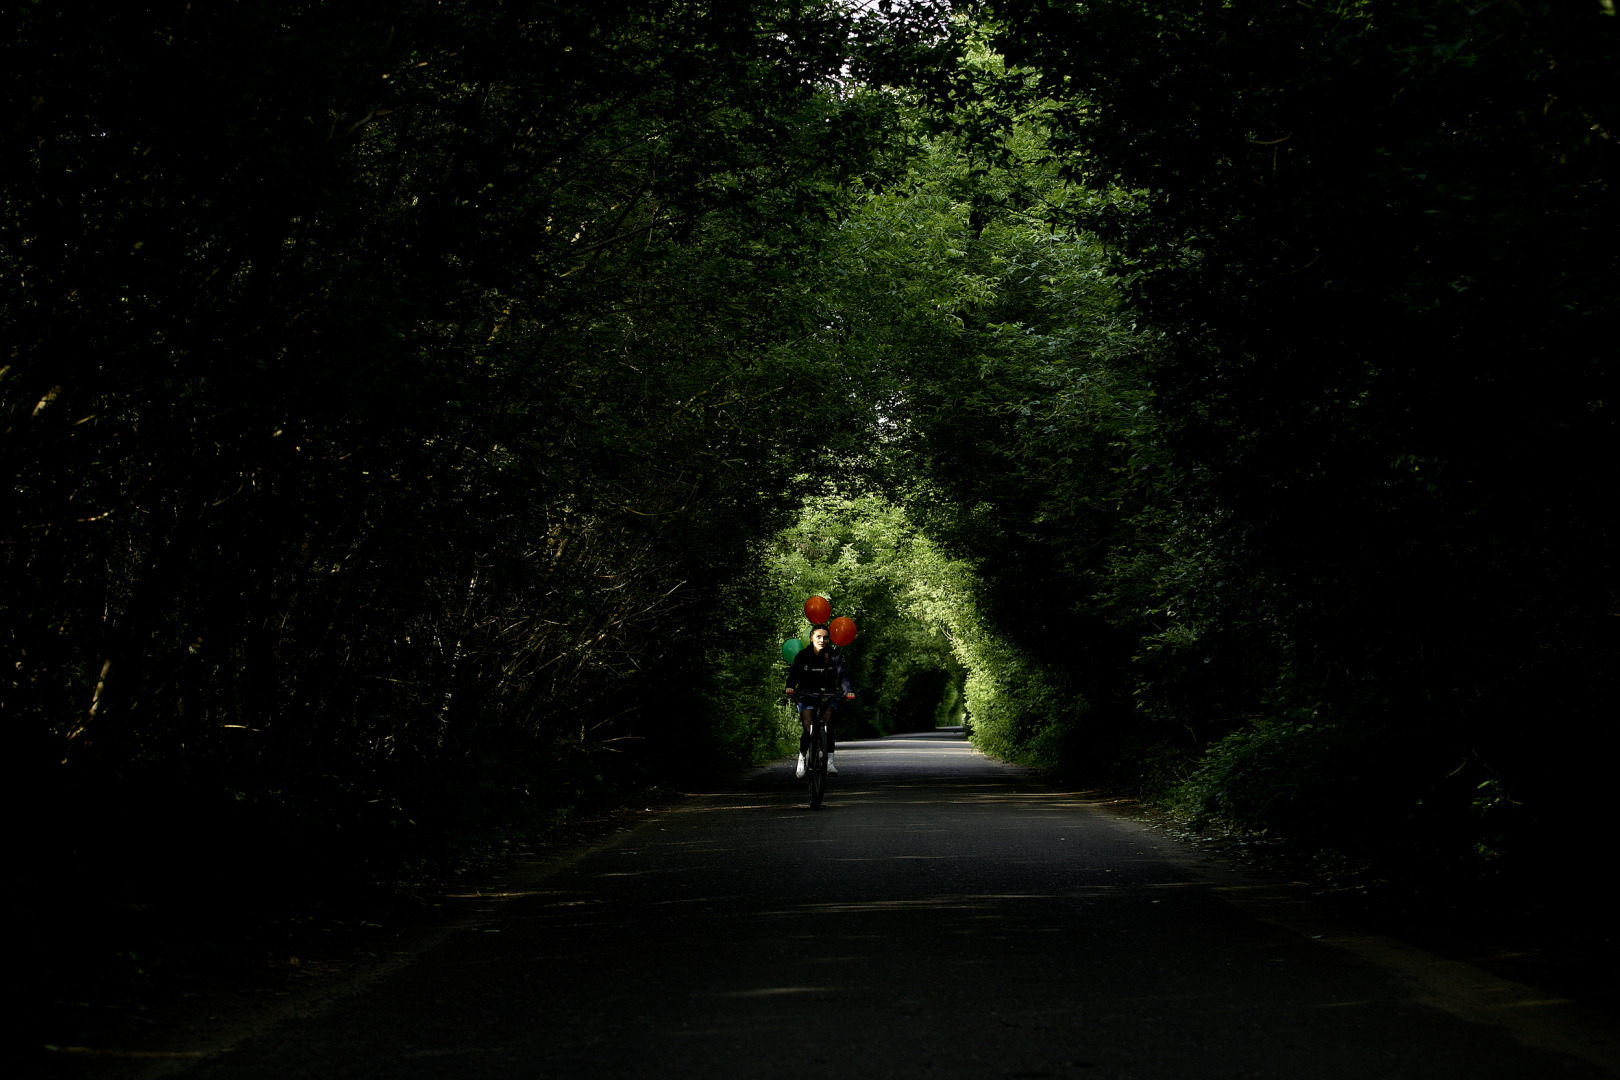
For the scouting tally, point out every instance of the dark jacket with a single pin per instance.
(823, 673)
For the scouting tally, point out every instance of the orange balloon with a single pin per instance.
(841, 630)
(816, 609)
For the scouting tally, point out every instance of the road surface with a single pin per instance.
(942, 916)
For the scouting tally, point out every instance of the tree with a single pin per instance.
(384, 388)
(1355, 229)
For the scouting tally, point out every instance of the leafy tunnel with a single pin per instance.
(424, 420)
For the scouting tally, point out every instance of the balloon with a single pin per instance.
(790, 648)
(841, 630)
(816, 609)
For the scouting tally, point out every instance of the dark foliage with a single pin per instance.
(1371, 511)
(389, 392)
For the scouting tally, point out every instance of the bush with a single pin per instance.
(1277, 776)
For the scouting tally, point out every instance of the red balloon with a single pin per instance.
(816, 609)
(841, 630)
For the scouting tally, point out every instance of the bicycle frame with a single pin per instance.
(815, 760)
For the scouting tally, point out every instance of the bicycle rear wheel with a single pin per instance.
(816, 764)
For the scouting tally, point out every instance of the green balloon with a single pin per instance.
(790, 648)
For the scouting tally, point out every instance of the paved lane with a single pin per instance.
(942, 916)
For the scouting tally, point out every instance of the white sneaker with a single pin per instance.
(800, 773)
(832, 770)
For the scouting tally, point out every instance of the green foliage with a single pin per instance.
(1017, 433)
(1272, 455)
(406, 408)
(380, 405)
(392, 396)
(1370, 792)
(1277, 772)
(871, 563)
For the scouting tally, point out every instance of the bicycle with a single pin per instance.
(815, 757)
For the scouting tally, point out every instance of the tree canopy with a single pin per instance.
(420, 417)
(1360, 555)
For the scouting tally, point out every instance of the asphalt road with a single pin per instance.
(941, 916)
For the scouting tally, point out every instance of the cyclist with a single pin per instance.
(819, 669)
